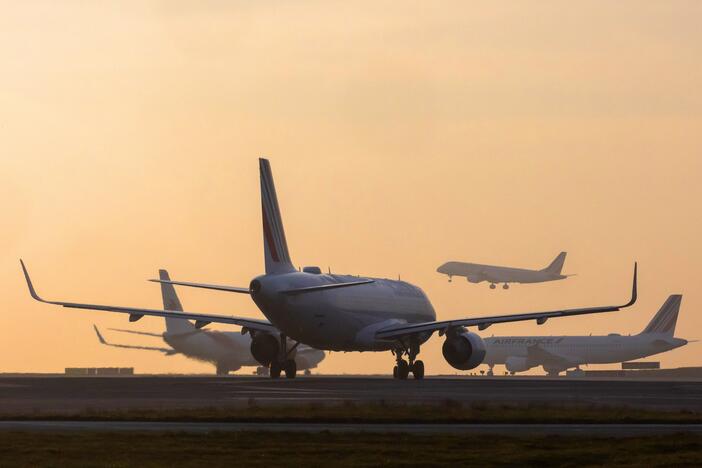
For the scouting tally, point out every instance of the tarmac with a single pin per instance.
(57, 394)
(589, 430)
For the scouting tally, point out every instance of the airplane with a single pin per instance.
(228, 351)
(476, 272)
(559, 353)
(337, 312)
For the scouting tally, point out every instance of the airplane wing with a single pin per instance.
(167, 351)
(538, 355)
(136, 313)
(398, 331)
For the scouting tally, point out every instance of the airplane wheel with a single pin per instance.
(402, 369)
(505, 286)
(275, 370)
(492, 286)
(290, 369)
(418, 370)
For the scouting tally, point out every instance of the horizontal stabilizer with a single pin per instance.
(217, 287)
(326, 287)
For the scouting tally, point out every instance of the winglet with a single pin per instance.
(29, 283)
(99, 335)
(634, 293)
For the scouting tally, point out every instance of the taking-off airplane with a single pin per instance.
(337, 312)
(476, 272)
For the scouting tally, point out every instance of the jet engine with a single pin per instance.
(474, 278)
(464, 351)
(264, 348)
(516, 364)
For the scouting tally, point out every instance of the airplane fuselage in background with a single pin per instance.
(476, 273)
(558, 353)
(229, 350)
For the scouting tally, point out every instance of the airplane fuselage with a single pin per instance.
(559, 353)
(476, 273)
(229, 350)
(341, 319)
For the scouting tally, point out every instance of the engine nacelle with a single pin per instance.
(264, 348)
(516, 364)
(474, 278)
(464, 351)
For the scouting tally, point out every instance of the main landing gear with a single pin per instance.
(403, 368)
(289, 366)
(284, 363)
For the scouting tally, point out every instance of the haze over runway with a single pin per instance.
(401, 136)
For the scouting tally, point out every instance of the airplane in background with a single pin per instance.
(559, 353)
(228, 351)
(476, 272)
(337, 312)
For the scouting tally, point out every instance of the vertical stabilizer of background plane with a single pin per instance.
(275, 247)
(557, 264)
(171, 302)
(665, 319)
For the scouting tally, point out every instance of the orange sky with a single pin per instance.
(401, 136)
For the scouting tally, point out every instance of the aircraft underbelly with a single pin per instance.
(333, 320)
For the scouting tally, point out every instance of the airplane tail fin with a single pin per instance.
(557, 264)
(171, 302)
(275, 247)
(667, 316)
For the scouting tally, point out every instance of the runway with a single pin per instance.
(22, 395)
(601, 430)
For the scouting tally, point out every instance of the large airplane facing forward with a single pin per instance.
(476, 272)
(228, 351)
(558, 353)
(337, 312)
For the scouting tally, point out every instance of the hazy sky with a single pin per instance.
(401, 135)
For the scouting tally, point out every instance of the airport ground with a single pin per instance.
(54, 394)
(355, 421)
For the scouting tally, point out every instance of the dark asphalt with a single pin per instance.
(19, 395)
(601, 430)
